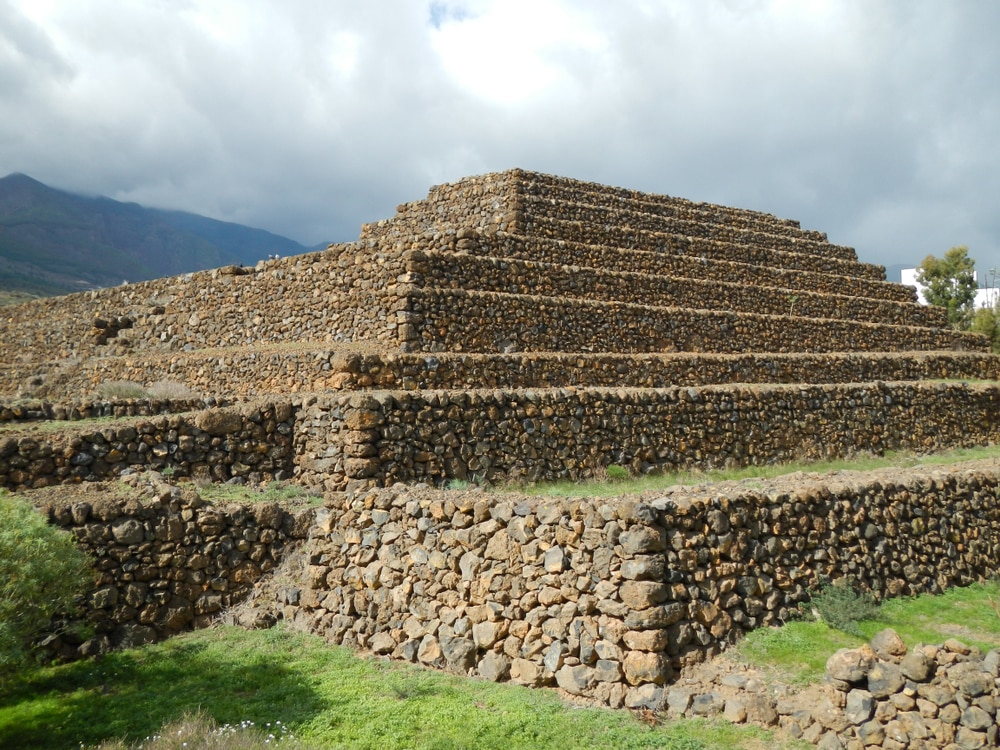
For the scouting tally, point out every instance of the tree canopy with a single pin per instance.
(950, 282)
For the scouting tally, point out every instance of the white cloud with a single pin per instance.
(511, 53)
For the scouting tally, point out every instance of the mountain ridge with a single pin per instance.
(56, 242)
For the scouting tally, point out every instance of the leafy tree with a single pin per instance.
(42, 571)
(949, 282)
(987, 322)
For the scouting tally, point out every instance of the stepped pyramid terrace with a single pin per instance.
(519, 325)
(511, 326)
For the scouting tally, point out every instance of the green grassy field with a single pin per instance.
(326, 697)
(800, 649)
(634, 485)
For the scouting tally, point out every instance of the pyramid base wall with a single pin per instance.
(610, 597)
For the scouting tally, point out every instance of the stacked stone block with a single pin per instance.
(214, 444)
(166, 561)
(611, 597)
(497, 435)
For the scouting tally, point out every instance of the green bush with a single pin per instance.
(42, 571)
(617, 473)
(842, 606)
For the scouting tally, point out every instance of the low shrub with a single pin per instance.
(42, 571)
(121, 389)
(617, 473)
(842, 606)
(170, 389)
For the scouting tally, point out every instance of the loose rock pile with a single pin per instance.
(876, 697)
(930, 697)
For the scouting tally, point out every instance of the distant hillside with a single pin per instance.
(54, 242)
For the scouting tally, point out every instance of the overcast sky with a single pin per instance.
(876, 121)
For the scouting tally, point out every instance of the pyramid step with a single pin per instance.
(477, 273)
(624, 237)
(561, 433)
(598, 220)
(248, 373)
(686, 266)
(442, 320)
(549, 186)
(551, 369)
(572, 191)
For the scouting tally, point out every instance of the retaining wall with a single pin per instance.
(458, 320)
(606, 223)
(341, 294)
(742, 266)
(609, 597)
(561, 433)
(41, 411)
(491, 274)
(249, 373)
(166, 562)
(553, 187)
(252, 440)
(617, 235)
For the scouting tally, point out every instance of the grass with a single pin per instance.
(863, 462)
(198, 731)
(799, 649)
(272, 492)
(120, 389)
(60, 425)
(325, 696)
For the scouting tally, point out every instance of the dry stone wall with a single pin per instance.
(605, 222)
(252, 440)
(638, 239)
(165, 561)
(386, 291)
(660, 261)
(342, 294)
(561, 433)
(552, 187)
(41, 411)
(489, 274)
(356, 371)
(249, 373)
(486, 203)
(457, 320)
(933, 696)
(608, 598)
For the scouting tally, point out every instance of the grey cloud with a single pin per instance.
(876, 125)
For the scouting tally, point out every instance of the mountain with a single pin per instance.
(54, 242)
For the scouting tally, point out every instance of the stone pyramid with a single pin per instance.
(520, 325)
